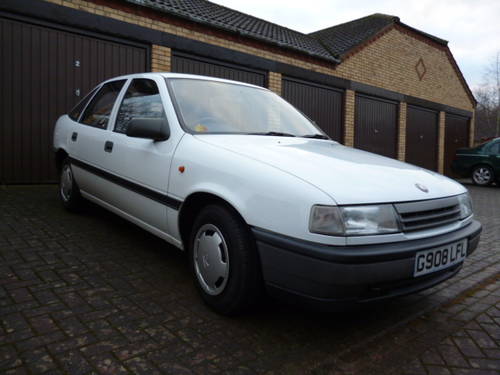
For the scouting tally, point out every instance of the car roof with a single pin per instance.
(180, 75)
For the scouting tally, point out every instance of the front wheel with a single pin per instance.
(68, 189)
(482, 175)
(224, 260)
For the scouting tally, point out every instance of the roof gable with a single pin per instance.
(342, 39)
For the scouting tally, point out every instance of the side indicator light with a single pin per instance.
(182, 169)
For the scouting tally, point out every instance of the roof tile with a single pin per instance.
(205, 12)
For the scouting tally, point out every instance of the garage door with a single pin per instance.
(456, 135)
(43, 73)
(184, 63)
(422, 137)
(375, 126)
(322, 104)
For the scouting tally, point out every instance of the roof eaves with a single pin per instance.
(424, 34)
(225, 27)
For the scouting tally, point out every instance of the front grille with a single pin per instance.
(434, 213)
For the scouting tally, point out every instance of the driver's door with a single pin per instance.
(141, 166)
(494, 156)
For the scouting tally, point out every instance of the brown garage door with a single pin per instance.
(456, 135)
(320, 103)
(375, 126)
(43, 73)
(190, 64)
(422, 137)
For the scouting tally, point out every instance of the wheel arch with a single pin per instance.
(192, 205)
(60, 155)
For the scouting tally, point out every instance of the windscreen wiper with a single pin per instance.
(317, 136)
(278, 134)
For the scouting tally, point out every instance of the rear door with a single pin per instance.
(88, 141)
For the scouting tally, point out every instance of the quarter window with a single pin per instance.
(99, 109)
(142, 100)
(77, 110)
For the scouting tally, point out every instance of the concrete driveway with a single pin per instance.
(91, 293)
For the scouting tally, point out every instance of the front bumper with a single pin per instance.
(321, 275)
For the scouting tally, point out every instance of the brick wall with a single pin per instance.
(402, 131)
(349, 108)
(442, 121)
(160, 58)
(274, 82)
(390, 62)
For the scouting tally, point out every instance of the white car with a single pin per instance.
(258, 195)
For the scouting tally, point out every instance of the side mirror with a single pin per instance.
(150, 128)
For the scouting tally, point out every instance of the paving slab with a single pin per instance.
(92, 293)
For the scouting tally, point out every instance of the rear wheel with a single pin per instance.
(482, 175)
(68, 189)
(224, 260)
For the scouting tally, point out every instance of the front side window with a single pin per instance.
(77, 110)
(495, 149)
(142, 100)
(217, 107)
(99, 109)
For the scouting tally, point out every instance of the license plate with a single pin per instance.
(433, 260)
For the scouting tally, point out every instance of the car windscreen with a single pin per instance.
(218, 107)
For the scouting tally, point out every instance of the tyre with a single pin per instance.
(68, 189)
(224, 260)
(482, 175)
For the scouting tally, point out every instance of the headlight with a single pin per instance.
(353, 220)
(465, 205)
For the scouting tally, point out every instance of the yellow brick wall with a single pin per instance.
(402, 131)
(349, 108)
(472, 129)
(160, 58)
(388, 62)
(274, 83)
(442, 122)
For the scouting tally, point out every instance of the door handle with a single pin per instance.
(108, 146)
(74, 136)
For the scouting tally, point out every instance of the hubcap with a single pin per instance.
(482, 175)
(66, 183)
(211, 260)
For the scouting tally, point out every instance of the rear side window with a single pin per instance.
(77, 110)
(142, 100)
(99, 109)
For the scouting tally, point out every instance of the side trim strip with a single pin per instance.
(136, 188)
